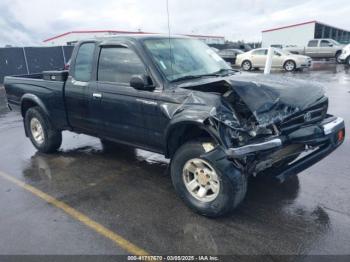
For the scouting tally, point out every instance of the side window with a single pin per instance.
(312, 43)
(118, 64)
(260, 52)
(83, 62)
(324, 43)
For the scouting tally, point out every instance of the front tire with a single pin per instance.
(289, 66)
(41, 132)
(202, 186)
(246, 65)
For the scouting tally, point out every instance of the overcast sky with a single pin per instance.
(28, 22)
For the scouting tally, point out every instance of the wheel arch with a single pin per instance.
(181, 132)
(30, 100)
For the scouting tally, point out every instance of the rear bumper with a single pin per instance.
(326, 137)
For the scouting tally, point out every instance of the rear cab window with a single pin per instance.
(313, 43)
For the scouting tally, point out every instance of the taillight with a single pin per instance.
(340, 135)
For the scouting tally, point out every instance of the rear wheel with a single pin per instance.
(41, 132)
(202, 186)
(289, 66)
(246, 65)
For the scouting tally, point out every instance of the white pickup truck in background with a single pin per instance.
(319, 48)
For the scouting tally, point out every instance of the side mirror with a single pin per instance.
(141, 82)
(330, 45)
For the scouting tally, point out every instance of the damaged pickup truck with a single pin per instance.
(175, 96)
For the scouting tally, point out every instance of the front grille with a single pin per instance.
(313, 114)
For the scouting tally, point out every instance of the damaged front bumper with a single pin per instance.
(325, 137)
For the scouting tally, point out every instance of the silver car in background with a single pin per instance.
(281, 59)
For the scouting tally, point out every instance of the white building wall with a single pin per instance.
(297, 35)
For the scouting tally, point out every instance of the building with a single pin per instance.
(300, 34)
(70, 38)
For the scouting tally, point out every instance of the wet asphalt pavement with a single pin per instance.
(129, 191)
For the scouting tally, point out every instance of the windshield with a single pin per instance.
(187, 58)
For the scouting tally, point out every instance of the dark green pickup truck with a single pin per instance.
(177, 97)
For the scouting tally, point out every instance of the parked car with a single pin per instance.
(319, 48)
(256, 59)
(345, 55)
(217, 127)
(229, 55)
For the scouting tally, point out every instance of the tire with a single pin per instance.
(246, 65)
(41, 132)
(337, 60)
(232, 186)
(289, 66)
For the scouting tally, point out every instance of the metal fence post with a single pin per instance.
(25, 60)
(64, 56)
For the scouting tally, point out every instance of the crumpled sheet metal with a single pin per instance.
(274, 98)
(270, 99)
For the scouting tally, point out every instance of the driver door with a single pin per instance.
(122, 107)
(259, 57)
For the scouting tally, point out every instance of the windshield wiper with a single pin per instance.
(186, 78)
(217, 73)
(221, 72)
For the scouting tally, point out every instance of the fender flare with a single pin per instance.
(181, 123)
(34, 99)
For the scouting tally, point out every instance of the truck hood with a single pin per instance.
(270, 98)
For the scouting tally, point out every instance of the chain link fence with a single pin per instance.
(31, 60)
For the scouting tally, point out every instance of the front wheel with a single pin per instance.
(41, 132)
(289, 66)
(202, 186)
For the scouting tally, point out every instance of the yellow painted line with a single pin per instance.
(117, 239)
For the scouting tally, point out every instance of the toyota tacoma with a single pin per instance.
(176, 96)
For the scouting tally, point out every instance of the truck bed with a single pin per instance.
(33, 87)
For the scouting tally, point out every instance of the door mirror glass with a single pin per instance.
(141, 82)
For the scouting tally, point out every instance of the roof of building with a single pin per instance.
(299, 24)
(119, 32)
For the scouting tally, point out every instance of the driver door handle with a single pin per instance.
(97, 95)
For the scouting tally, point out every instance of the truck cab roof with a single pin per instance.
(130, 37)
